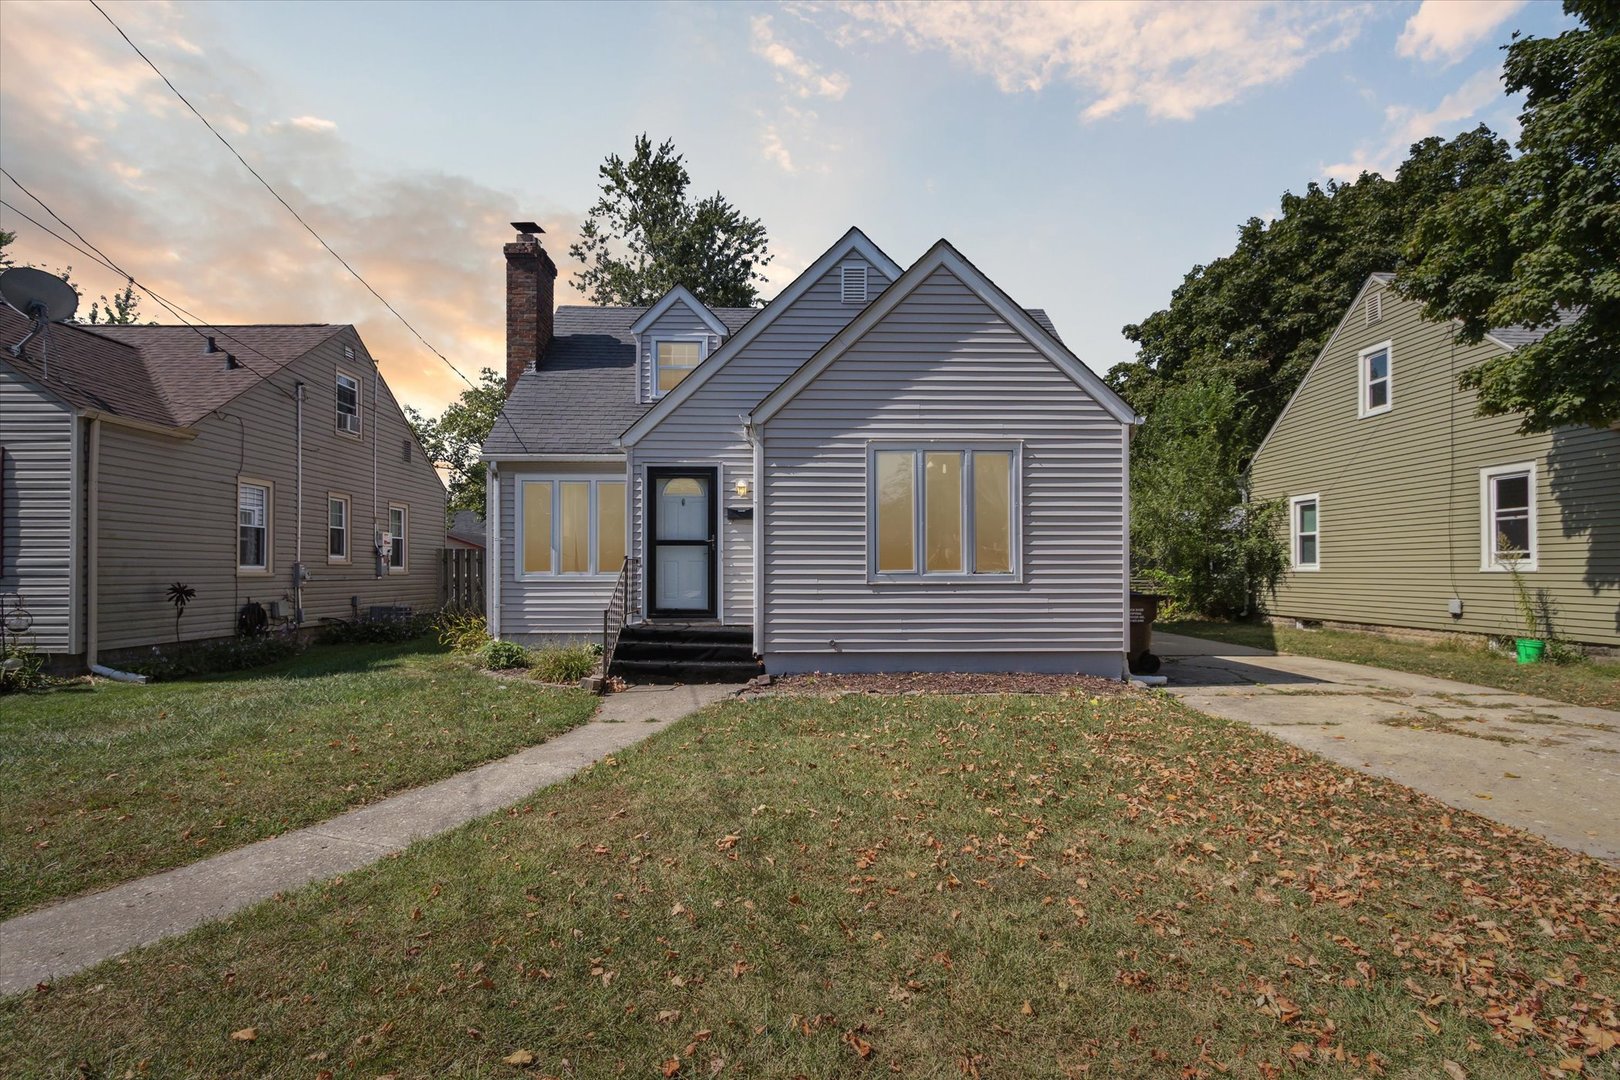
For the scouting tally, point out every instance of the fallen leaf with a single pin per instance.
(1453, 1070)
(518, 1058)
(245, 1035)
(1028, 1009)
(671, 1067)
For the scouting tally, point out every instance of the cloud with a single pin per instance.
(1174, 60)
(1445, 30)
(1406, 124)
(106, 144)
(801, 76)
(775, 151)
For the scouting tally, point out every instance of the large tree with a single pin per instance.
(644, 236)
(1543, 242)
(454, 438)
(123, 308)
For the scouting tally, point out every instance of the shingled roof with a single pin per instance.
(582, 395)
(155, 374)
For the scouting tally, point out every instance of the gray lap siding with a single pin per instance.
(944, 367)
(552, 607)
(38, 528)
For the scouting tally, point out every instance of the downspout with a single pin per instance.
(298, 507)
(92, 585)
(492, 555)
(376, 528)
(757, 437)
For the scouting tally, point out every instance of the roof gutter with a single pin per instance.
(138, 425)
(616, 459)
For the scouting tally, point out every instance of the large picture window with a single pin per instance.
(942, 511)
(1507, 496)
(252, 526)
(571, 526)
(674, 360)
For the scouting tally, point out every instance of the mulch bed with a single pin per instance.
(948, 683)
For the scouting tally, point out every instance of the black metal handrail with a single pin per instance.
(617, 614)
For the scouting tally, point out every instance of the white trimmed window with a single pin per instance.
(398, 523)
(674, 359)
(1507, 499)
(943, 511)
(1305, 530)
(337, 528)
(570, 526)
(1377, 380)
(253, 505)
(348, 404)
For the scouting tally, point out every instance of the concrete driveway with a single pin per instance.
(1539, 765)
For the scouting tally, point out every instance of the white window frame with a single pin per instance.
(337, 403)
(702, 341)
(269, 527)
(1294, 532)
(348, 529)
(1489, 562)
(1364, 384)
(919, 515)
(593, 514)
(401, 541)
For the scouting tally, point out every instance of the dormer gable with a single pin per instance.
(673, 337)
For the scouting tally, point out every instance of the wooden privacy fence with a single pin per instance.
(461, 579)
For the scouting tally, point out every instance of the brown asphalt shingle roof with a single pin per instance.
(156, 374)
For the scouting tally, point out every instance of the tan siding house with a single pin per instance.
(1406, 506)
(215, 475)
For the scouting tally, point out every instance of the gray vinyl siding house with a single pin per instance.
(759, 463)
(126, 452)
(1412, 491)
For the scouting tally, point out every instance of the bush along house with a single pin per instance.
(883, 469)
(265, 465)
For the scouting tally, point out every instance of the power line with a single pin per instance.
(173, 308)
(277, 195)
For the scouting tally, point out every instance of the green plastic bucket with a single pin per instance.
(1530, 650)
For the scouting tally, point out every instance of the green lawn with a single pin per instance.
(1593, 683)
(925, 886)
(101, 785)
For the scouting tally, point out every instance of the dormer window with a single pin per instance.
(853, 283)
(674, 359)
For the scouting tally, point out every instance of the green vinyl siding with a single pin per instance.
(1400, 513)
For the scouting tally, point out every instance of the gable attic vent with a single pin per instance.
(1375, 307)
(853, 285)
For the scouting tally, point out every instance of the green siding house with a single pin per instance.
(1406, 508)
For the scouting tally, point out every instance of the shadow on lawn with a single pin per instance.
(319, 661)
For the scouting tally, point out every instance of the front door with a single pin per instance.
(684, 515)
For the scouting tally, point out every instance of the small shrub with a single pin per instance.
(377, 631)
(22, 669)
(1560, 651)
(213, 657)
(566, 663)
(505, 655)
(463, 632)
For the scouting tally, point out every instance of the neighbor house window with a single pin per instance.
(1306, 527)
(942, 511)
(337, 528)
(252, 526)
(1377, 380)
(674, 361)
(348, 404)
(398, 519)
(1507, 496)
(571, 526)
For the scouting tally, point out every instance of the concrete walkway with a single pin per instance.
(67, 937)
(1542, 766)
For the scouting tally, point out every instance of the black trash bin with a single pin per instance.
(1144, 609)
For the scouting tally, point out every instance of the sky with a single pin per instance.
(1085, 156)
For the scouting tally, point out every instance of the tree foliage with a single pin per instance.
(1190, 530)
(1544, 239)
(454, 439)
(644, 236)
(124, 309)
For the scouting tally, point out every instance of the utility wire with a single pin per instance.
(277, 195)
(296, 215)
(171, 307)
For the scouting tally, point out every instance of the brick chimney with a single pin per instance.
(531, 286)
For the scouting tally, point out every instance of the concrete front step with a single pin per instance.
(667, 671)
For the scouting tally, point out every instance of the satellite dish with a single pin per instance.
(38, 295)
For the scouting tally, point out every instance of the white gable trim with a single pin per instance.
(680, 294)
(853, 241)
(943, 256)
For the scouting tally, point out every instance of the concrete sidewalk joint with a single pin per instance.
(69, 936)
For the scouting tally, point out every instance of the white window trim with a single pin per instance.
(1362, 382)
(1488, 562)
(1294, 533)
(702, 341)
(269, 566)
(347, 558)
(593, 513)
(404, 566)
(920, 576)
(359, 405)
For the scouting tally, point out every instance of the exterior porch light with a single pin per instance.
(742, 489)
